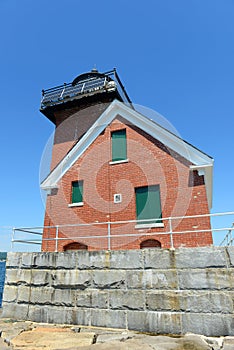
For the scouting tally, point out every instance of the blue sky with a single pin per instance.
(175, 57)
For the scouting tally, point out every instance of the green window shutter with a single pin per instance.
(77, 191)
(119, 145)
(148, 203)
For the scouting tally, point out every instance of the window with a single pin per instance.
(148, 206)
(150, 243)
(119, 145)
(75, 246)
(77, 191)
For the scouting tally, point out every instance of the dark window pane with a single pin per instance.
(77, 191)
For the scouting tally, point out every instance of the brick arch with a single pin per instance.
(150, 243)
(75, 246)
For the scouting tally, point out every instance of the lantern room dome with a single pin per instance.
(94, 74)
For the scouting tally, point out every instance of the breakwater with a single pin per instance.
(152, 290)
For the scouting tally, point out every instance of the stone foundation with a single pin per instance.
(151, 290)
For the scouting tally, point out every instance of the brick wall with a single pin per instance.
(71, 124)
(182, 191)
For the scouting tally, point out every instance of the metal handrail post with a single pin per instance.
(12, 239)
(109, 235)
(171, 233)
(56, 239)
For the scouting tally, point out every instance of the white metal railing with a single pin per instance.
(108, 232)
(228, 239)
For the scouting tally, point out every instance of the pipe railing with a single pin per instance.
(61, 93)
(228, 239)
(110, 235)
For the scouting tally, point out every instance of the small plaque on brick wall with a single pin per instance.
(117, 198)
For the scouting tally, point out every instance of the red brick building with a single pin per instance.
(117, 177)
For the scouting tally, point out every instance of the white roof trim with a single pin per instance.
(170, 140)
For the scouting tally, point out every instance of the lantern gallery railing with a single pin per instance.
(98, 232)
(108, 81)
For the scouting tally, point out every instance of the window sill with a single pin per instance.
(118, 161)
(80, 204)
(159, 224)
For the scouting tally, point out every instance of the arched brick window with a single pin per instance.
(75, 246)
(150, 243)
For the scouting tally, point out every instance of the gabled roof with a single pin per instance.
(201, 161)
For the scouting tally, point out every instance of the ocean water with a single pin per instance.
(2, 278)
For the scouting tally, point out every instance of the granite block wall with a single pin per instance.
(151, 290)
